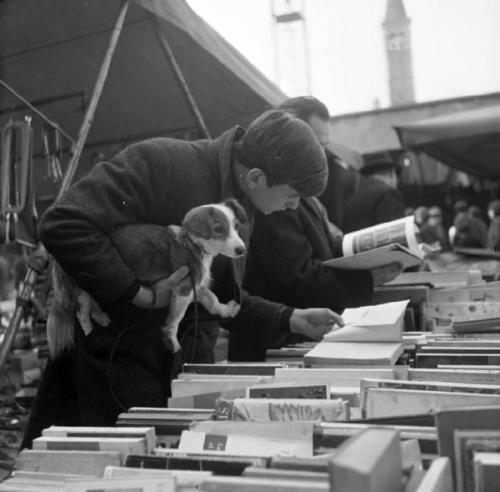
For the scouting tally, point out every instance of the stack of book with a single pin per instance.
(470, 438)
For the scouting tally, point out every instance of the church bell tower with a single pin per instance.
(396, 28)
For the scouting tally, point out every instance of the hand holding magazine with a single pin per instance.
(380, 245)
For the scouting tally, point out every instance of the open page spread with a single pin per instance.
(381, 323)
(379, 245)
(401, 231)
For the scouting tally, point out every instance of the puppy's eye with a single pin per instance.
(219, 229)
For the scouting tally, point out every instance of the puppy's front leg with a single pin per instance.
(177, 310)
(212, 304)
(83, 314)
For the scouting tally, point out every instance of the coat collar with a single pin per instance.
(224, 145)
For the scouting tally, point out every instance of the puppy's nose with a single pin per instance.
(240, 250)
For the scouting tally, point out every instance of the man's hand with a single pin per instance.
(386, 273)
(314, 322)
(158, 295)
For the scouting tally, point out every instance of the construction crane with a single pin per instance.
(291, 47)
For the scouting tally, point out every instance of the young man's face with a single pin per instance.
(267, 198)
(276, 198)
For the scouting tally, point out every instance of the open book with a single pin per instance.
(380, 245)
(372, 335)
(381, 323)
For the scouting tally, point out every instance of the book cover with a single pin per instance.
(368, 462)
(354, 353)
(289, 390)
(283, 410)
(196, 442)
(368, 384)
(385, 402)
(438, 477)
(467, 443)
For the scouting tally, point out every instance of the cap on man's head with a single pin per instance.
(378, 162)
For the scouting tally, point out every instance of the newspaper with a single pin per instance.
(401, 231)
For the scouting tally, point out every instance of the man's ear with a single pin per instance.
(255, 178)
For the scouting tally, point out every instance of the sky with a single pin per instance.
(455, 45)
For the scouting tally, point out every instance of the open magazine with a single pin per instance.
(394, 241)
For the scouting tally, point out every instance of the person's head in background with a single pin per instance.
(313, 112)
(435, 216)
(460, 206)
(469, 233)
(494, 209)
(475, 211)
(278, 160)
(381, 166)
(421, 215)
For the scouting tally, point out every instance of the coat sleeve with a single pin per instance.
(127, 189)
(283, 254)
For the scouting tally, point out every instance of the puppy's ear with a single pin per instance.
(238, 210)
(198, 221)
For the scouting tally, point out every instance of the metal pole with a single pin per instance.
(169, 54)
(89, 115)
(39, 113)
(39, 260)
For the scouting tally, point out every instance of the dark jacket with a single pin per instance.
(126, 363)
(494, 234)
(373, 203)
(285, 264)
(342, 184)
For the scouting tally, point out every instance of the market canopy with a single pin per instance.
(52, 52)
(467, 140)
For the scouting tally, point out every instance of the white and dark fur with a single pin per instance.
(154, 252)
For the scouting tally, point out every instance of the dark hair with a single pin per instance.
(469, 233)
(495, 207)
(475, 211)
(460, 206)
(303, 107)
(287, 151)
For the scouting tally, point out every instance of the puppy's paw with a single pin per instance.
(171, 341)
(230, 310)
(101, 318)
(85, 321)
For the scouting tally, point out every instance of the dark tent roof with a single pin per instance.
(52, 51)
(467, 140)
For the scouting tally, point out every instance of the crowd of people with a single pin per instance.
(468, 227)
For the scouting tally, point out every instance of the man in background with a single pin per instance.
(285, 259)
(376, 199)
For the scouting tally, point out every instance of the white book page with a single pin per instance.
(402, 231)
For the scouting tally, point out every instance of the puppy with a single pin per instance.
(154, 252)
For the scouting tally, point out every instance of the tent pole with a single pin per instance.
(35, 110)
(89, 115)
(39, 260)
(169, 54)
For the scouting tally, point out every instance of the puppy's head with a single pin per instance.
(215, 228)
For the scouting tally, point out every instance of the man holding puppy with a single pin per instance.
(268, 167)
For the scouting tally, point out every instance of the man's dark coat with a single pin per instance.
(285, 264)
(373, 203)
(342, 184)
(126, 364)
